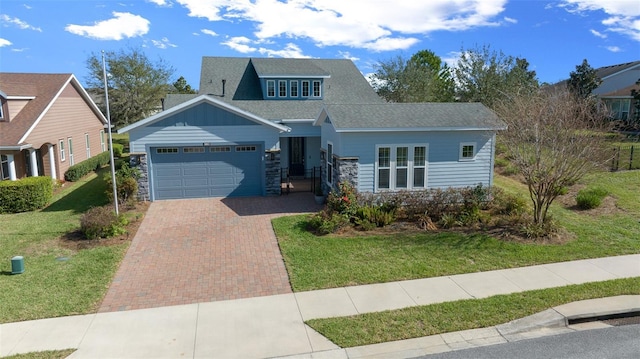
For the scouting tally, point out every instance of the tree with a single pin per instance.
(181, 86)
(484, 75)
(583, 80)
(636, 105)
(422, 78)
(553, 138)
(136, 85)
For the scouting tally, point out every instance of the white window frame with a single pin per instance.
(308, 84)
(167, 150)
(293, 88)
(70, 150)
(282, 85)
(4, 159)
(196, 149)
(393, 167)
(103, 146)
(87, 144)
(63, 156)
(318, 87)
(271, 88)
(330, 162)
(462, 156)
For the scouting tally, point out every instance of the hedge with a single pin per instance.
(27, 194)
(118, 149)
(83, 168)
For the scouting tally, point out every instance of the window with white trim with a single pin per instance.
(61, 149)
(401, 167)
(87, 146)
(4, 167)
(305, 88)
(70, 141)
(293, 88)
(467, 151)
(329, 162)
(282, 88)
(245, 148)
(193, 150)
(103, 147)
(317, 92)
(166, 150)
(271, 88)
(220, 149)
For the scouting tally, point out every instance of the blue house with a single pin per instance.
(257, 117)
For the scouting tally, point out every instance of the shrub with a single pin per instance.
(343, 201)
(325, 222)
(501, 162)
(102, 222)
(506, 203)
(510, 170)
(83, 168)
(591, 198)
(126, 183)
(379, 216)
(27, 194)
(118, 149)
(532, 230)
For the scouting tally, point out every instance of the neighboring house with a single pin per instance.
(47, 123)
(256, 118)
(615, 89)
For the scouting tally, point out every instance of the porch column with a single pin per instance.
(33, 161)
(12, 168)
(52, 162)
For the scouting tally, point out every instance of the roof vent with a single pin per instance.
(224, 82)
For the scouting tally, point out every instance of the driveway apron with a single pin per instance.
(202, 250)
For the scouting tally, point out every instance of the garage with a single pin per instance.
(206, 171)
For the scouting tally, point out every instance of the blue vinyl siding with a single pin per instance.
(202, 115)
(443, 168)
(301, 130)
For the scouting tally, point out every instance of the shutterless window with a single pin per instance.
(467, 151)
(419, 166)
(102, 143)
(87, 146)
(293, 91)
(384, 167)
(220, 149)
(271, 88)
(166, 150)
(402, 167)
(316, 89)
(61, 148)
(245, 148)
(70, 140)
(4, 168)
(193, 150)
(305, 88)
(282, 88)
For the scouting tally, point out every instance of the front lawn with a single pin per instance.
(59, 279)
(318, 262)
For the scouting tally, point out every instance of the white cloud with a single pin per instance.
(122, 25)
(510, 20)
(164, 3)
(208, 32)
(347, 55)
(163, 44)
(614, 48)
(624, 15)
(20, 50)
(17, 22)
(598, 34)
(290, 51)
(240, 44)
(4, 42)
(385, 25)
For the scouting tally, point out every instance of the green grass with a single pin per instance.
(447, 317)
(315, 262)
(50, 287)
(49, 354)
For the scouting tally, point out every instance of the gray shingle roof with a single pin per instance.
(275, 67)
(413, 115)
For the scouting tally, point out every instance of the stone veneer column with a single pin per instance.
(272, 172)
(139, 161)
(347, 170)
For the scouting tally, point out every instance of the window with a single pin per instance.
(1, 112)
(87, 146)
(305, 88)
(165, 150)
(329, 162)
(467, 151)
(4, 167)
(282, 88)
(245, 148)
(618, 108)
(220, 149)
(102, 143)
(316, 89)
(401, 167)
(271, 88)
(62, 153)
(70, 140)
(193, 150)
(293, 91)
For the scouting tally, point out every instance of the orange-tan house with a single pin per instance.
(48, 122)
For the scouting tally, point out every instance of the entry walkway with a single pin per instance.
(273, 326)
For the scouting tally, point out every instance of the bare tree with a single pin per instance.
(554, 138)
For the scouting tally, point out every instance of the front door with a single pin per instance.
(296, 156)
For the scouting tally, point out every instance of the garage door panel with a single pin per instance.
(206, 174)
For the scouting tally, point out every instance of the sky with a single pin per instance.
(58, 36)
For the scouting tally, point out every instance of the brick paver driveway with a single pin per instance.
(201, 250)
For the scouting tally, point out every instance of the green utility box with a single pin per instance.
(17, 265)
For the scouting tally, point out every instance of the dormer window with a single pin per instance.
(317, 89)
(293, 91)
(271, 88)
(282, 88)
(305, 88)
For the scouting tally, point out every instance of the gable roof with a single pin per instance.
(606, 71)
(342, 81)
(429, 116)
(42, 90)
(196, 101)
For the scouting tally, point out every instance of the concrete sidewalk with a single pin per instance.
(273, 326)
